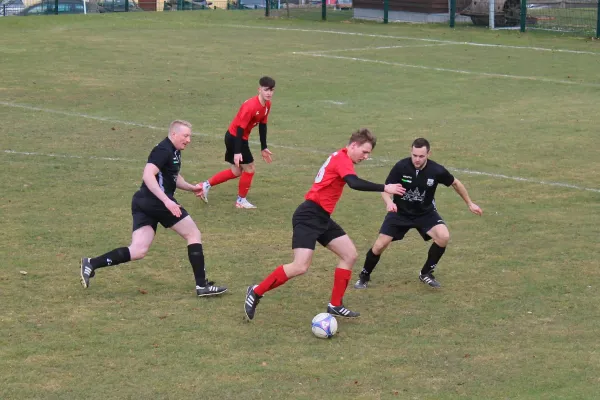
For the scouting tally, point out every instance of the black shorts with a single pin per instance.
(312, 224)
(230, 148)
(396, 225)
(148, 210)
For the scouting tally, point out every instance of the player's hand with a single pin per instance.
(197, 189)
(392, 207)
(475, 209)
(237, 159)
(266, 155)
(395, 188)
(173, 207)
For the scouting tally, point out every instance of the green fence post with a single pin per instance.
(268, 6)
(386, 9)
(523, 14)
(452, 13)
(598, 21)
(126, 5)
(56, 7)
(323, 10)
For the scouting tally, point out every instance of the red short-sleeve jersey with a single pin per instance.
(329, 182)
(250, 114)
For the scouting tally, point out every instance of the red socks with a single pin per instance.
(245, 182)
(221, 177)
(340, 283)
(227, 174)
(277, 278)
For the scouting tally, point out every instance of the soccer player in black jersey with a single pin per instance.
(155, 203)
(416, 209)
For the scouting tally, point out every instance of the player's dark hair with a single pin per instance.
(421, 142)
(267, 81)
(363, 136)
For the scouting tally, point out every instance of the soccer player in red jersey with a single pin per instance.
(254, 111)
(312, 223)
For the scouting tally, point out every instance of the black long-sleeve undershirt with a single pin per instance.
(237, 143)
(356, 183)
(262, 131)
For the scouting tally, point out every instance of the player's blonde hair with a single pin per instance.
(363, 136)
(178, 123)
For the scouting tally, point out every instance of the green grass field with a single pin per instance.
(83, 99)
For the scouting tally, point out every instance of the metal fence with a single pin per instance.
(574, 16)
(571, 16)
(312, 9)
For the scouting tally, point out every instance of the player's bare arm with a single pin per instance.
(390, 206)
(462, 192)
(149, 177)
(182, 184)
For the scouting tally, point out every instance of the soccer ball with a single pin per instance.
(324, 325)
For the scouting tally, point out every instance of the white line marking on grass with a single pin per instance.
(131, 123)
(33, 153)
(87, 116)
(516, 178)
(156, 128)
(131, 160)
(304, 149)
(80, 115)
(501, 46)
(381, 160)
(337, 103)
(369, 48)
(457, 71)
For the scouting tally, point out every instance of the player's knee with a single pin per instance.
(138, 252)
(300, 268)
(350, 257)
(237, 171)
(379, 248)
(442, 240)
(194, 236)
(250, 169)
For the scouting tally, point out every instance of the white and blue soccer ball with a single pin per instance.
(324, 325)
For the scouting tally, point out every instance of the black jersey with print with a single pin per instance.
(168, 161)
(420, 185)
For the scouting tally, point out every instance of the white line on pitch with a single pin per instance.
(130, 123)
(87, 116)
(337, 103)
(501, 46)
(53, 155)
(458, 71)
(131, 160)
(463, 171)
(308, 150)
(368, 48)
(516, 178)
